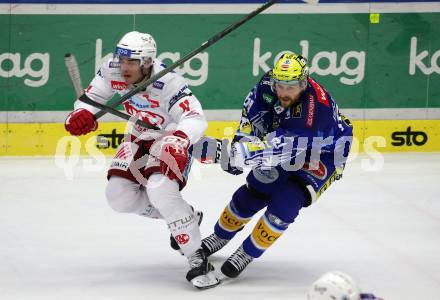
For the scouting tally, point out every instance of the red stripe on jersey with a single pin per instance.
(311, 111)
(320, 92)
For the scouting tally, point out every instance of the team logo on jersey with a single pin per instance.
(158, 85)
(182, 239)
(146, 116)
(118, 85)
(320, 172)
(268, 98)
(297, 110)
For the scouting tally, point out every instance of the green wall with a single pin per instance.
(390, 64)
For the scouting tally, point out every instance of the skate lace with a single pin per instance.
(240, 259)
(196, 260)
(214, 242)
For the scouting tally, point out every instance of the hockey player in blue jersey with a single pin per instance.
(297, 142)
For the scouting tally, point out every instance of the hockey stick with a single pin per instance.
(204, 45)
(73, 70)
(116, 112)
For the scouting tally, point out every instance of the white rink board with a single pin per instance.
(60, 240)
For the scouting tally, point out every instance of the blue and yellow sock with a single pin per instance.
(267, 230)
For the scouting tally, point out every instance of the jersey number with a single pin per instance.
(184, 105)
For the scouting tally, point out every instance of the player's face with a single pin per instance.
(131, 70)
(288, 94)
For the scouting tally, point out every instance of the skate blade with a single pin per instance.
(223, 278)
(206, 281)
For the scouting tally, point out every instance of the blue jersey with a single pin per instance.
(315, 116)
(311, 132)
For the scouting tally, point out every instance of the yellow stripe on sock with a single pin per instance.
(264, 235)
(230, 221)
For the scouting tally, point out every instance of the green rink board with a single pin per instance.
(390, 64)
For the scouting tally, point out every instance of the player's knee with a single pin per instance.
(120, 195)
(282, 218)
(281, 222)
(284, 212)
(164, 193)
(303, 192)
(287, 202)
(248, 202)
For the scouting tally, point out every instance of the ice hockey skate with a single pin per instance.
(236, 263)
(201, 273)
(212, 244)
(173, 243)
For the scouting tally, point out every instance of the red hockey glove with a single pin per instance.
(173, 154)
(80, 121)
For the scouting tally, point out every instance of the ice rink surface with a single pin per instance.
(60, 240)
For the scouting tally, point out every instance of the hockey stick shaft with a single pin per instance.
(74, 74)
(115, 112)
(205, 45)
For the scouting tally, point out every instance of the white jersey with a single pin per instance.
(164, 102)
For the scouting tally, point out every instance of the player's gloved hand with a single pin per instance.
(172, 150)
(80, 121)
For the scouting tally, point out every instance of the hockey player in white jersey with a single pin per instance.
(149, 169)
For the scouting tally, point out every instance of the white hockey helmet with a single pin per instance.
(334, 285)
(137, 45)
